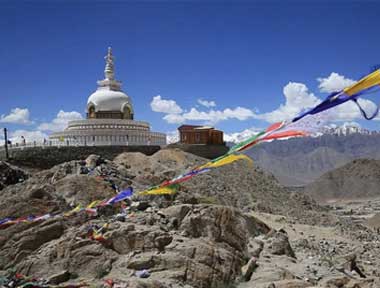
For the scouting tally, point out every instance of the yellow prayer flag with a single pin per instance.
(364, 83)
(226, 160)
(76, 209)
(93, 204)
(159, 191)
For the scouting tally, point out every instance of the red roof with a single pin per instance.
(188, 127)
(196, 127)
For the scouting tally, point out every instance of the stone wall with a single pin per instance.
(205, 151)
(46, 157)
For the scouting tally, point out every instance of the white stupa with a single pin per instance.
(110, 118)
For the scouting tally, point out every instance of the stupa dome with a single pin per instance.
(105, 99)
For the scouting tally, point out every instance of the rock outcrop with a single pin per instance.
(206, 247)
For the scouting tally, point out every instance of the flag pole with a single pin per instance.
(6, 144)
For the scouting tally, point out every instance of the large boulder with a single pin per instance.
(205, 248)
(72, 252)
(19, 241)
(83, 189)
(10, 174)
(92, 161)
(32, 197)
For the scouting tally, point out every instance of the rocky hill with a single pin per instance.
(210, 234)
(298, 162)
(359, 179)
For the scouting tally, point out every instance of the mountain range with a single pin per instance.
(347, 128)
(300, 161)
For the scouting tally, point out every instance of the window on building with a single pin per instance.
(197, 137)
(91, 112)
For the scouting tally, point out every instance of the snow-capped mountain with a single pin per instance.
(346, 129)
(240, 136)
(172, 137)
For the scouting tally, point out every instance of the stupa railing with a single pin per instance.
(35, 144)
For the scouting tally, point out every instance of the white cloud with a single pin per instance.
(17, 116)
(297, 98)
(29, 136)
(239, 113)
(349, 111)
(211, 116)
(60, 122)
(351, 124)
(174, 118)
(334, 82)
(206, 103)
(165, 106)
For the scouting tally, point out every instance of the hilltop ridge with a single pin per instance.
(359, 179)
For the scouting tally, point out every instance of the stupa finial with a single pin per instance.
(109, 80)
(109, 69)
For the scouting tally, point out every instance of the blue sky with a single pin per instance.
(237, 54)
